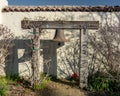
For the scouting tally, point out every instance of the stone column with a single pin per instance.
(83, 78)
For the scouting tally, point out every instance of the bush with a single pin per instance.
(44, 79)
(13, 77)
(40, 86)
(102, 82)
(3, 87)
(104, 56)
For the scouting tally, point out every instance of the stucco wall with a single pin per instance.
(15, 18)
(57, 53)
(3, 3)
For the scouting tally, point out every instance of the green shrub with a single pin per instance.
(13, 77)
(40, 86)
(3, 87)
(43, 75)
(102, 82)
(44, 79)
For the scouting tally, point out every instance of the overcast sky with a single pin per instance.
(64, 2)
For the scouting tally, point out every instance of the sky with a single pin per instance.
(64, 2)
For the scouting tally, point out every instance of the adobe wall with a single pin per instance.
(3, 3)
(61, 55)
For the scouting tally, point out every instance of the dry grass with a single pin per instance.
(52, 89)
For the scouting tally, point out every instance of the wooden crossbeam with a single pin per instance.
(27, 24)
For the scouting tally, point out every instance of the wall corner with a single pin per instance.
(3, 3)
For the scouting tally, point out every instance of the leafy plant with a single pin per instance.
(104, 57)
(15, 77)
(43, 75)
(40, 86)
(44, 79)
(101, 82)
(3, 87)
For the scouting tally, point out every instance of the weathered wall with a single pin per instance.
(61, 55)
(3, 3)
(15, 18)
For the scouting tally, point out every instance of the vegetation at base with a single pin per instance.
(15, 77)
(40, 86)
(3, 87)
(54, 78)
(44, 79)
(101, 82)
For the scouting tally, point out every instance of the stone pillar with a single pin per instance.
(83, 78)
(3, 3)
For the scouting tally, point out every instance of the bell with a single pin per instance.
(59, 36)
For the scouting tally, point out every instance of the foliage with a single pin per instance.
(3, 87)
(104, 56)
(105, 51)
(43, 75)
(44, 79)
(17, 80)
(13, 77)
(40, 86)
(6, 38)
(54, 78)
(102, 83)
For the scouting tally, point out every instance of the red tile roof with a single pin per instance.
(62, 8)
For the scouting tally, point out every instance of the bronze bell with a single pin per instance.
(59, 36)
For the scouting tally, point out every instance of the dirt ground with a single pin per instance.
(59, 89)
(52, 89)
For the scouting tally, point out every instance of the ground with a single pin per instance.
(60, 89)
(52, 89)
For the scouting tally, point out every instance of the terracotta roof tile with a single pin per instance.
(62, 8)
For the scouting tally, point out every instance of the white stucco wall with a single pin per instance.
(3, 3)
(15, 18)
(13, 21)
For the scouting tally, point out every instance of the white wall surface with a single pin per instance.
(3, 3)
(13, 21)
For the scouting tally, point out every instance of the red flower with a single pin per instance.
(74, 75)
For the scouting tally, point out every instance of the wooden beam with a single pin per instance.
(27, 24)
(83, 70)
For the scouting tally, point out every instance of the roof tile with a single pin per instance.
(62, 8)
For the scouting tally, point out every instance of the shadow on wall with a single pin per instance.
(16, 58)
(12, 64)
(69, 58)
